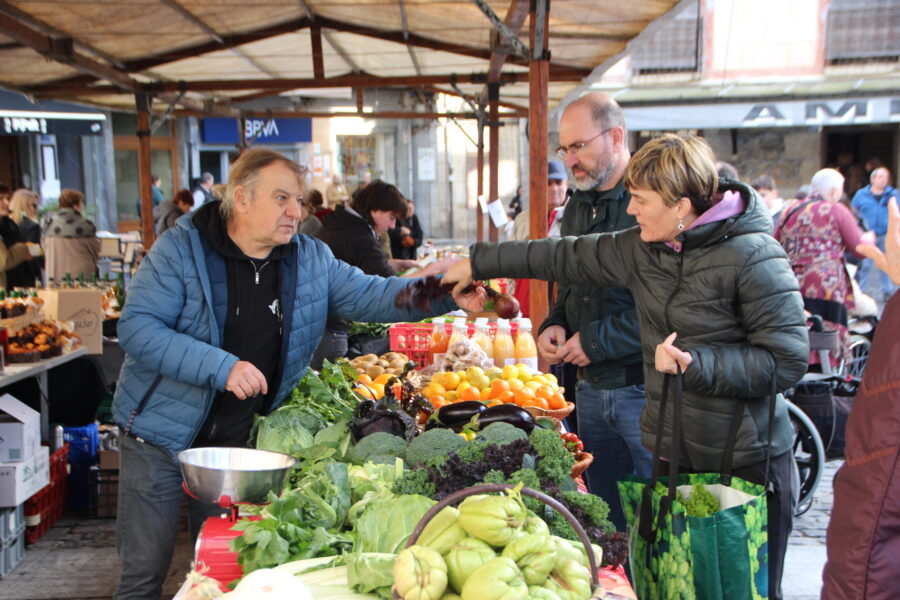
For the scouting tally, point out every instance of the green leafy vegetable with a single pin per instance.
(284, 431)
(701, 503)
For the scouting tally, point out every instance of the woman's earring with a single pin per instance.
(681, 225)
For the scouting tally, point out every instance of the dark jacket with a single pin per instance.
(172, 328)
(353, 241)
(27, 273)
(730, 295)
(398, 250)
(863, 541)
(604, 316)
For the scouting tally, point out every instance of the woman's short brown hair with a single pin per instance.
(245, 170)
(184, 196)
(70, 198)
(675, 167)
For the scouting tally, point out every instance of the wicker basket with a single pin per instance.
(582, 461)
(500, 487)
(559, 413)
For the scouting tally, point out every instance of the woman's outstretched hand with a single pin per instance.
(459, 273)
(668, 356)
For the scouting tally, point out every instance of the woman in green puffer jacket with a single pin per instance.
(714, 292)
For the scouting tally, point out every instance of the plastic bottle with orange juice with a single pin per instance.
(526, 349)
(437, 346)
(482, 337)
(504, 347)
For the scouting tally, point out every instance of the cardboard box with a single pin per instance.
(108, 459)
(21, 480)
(83, 307)
(20, 430)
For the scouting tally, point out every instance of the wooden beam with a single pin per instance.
(142, 102)
(62, 50)
(318, 57)
(494, 153)
(335, 45)
(42, 26)
(515, 17)
(538, 140)
(479, 216)
(353, 80)
(297, 114)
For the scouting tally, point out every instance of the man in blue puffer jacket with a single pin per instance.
(871, 203)
(221, 322)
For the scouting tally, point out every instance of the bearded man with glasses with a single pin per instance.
(595, 328)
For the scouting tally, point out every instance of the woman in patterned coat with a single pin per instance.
(816, 233)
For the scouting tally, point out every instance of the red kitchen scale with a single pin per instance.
(229, 477)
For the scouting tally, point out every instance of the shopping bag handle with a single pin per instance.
(646, 521)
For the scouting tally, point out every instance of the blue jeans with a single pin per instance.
(880, 288)
(609, 426)
(149, 505)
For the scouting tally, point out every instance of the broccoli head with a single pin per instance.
(414, 482)
(501, 433)
(377, 444)
(432, 447)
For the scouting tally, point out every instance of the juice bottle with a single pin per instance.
(526, 349)
(460, 331)
(483, 338)
(504, 348)
(437, 346)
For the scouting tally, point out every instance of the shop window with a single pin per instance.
(862, 31)
(674, 48)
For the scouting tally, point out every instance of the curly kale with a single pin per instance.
(527, 477)
(417, 481)
(595, 508)
(554, 461)
(615, 548)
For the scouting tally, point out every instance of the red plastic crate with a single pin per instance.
(45, 508)
(413, 339)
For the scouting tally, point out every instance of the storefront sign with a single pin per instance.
(220, 130)
(14, 125)
(794, 113)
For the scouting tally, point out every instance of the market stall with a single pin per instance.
(361, 473)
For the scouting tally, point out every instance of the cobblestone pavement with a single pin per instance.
(806, 549)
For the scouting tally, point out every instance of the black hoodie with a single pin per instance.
(252, 328)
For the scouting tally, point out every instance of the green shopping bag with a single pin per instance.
(675, 556)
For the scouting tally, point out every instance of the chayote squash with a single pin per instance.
(450, 596)
(496, 520)
(420, 574)
(535, 555)
(535, 525)
(442, 531)
(497, 579)
(569, 579)
(539, 593)
(464, 558)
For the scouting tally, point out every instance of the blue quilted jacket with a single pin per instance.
(172, 328)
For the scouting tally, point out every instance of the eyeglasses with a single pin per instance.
(564, 151)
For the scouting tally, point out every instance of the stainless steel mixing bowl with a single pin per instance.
(232, 475)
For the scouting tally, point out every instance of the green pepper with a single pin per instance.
(538, 593)
(535, 555)
(420, 574)
(442, 531)
(466, 555)
(496, 520)
(497, 579)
